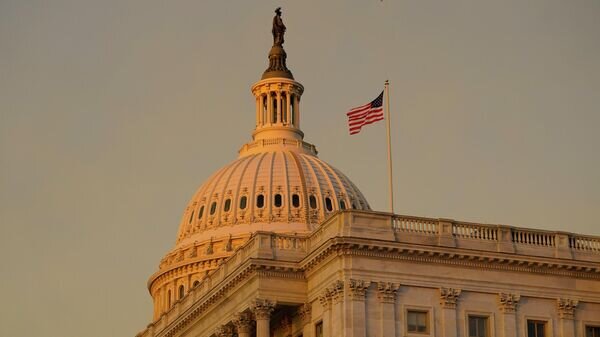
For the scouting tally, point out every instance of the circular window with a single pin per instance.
(260, 201)
(243, 202)
(278, 201)
(313, 202)
(227, 206)
(328, 204)
(295, 200)
(213, 207)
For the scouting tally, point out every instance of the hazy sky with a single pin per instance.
(114, 112)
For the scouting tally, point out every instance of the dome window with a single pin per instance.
(196, 283)
(169, 298)
(278, 201)
(213, 207)
(353, 206)
(260, 201)
(191, 217)
(201, 212)
(313, 202)
(181, 291)
(295, 200)
(342, 205)
(328, 204)
(243, 202)
(227, 206)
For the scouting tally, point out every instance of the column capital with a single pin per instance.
(358, 289)
(224, 331)
(325, 299)
(305, 312)
(262, 308)
(386, 292)
(508, 302)
(566, 307)
(337, 291)
(449, 297)
(243, 322)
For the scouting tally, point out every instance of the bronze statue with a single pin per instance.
(278, 28)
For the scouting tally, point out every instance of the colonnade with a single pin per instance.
(279, 107)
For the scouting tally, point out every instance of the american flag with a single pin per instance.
(365, 114)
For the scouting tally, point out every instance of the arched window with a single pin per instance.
(312, 201)
(196, 283)
(260, 201)
(201, 212)
(328, 204)
(243, 202)
(295, 200)
(213, 207)
(353, 206)
(342, 205)
(169, 298)
(278, 200)
(191, 217)
(181, 291)
(227, 206)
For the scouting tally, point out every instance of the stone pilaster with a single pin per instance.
(224, 331)
(262, 310)
(325, 300)
(305, 313)
(243, 324)
(508, 304)
(448, 299)
(386, 294)
(356, 325)
(337, 313)
(566, 312)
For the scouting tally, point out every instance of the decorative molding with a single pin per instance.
(386, 292)
(262, 308)
(305, 313)
(508, 302)
(243, 322)
(325, 299)
(337, 291)
(358, 289)
(449, 297)
(566, 307)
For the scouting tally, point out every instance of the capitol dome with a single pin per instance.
(277, 184)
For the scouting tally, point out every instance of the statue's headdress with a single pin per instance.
(278, 10)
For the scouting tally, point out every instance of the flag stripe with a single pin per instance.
(365, 114)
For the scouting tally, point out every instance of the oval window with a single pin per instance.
(295, 200)
(243, 202)
(342, 205)
(201, 212)
(260, 201)
(191, 217)
(278, 200)
(227, 206)
(328, 204)
(313, 202)
(213, 208)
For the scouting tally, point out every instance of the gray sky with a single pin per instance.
(114, 112)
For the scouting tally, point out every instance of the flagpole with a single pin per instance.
(389, 144)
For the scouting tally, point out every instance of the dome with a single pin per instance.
(281, 190)
(277, 184)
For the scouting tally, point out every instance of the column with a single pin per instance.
(269, 108)
(297, 110)
(278, 107)
(566, 313)
(337, 313)
(243, 324)
(356, 325)
(305, 312)
(508, 321)
(262, 311)
(448, 299)
(224, 331)
(386, 294)
(289, 103)
(325, 300)
(258, 108)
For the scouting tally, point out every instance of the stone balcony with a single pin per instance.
(526, 249)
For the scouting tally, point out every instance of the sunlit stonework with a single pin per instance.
(279, 243)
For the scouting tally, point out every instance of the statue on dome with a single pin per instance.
(278, 28)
